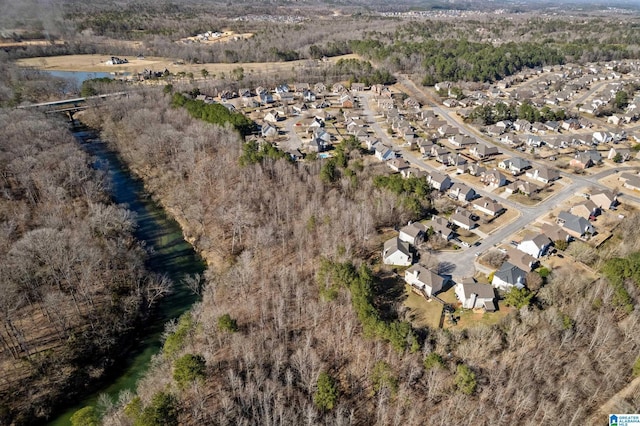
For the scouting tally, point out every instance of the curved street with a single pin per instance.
(464, 260)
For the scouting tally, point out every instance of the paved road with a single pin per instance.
(465, 259)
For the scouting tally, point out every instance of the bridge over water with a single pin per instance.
(71, 106)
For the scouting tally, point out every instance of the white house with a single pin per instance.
(413, 233)
(424, 279)
(383, 152)
(439, 181)
(473, 295)
(536, 246)
(461, 192)
(396, 252)
(488, 206)
(509, 276)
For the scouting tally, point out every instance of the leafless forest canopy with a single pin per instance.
(73, 281)
(72, 277)
(549, 363)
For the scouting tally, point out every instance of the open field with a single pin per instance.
(11, 43)
(97, 63)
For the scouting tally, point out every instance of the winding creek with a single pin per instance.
(169, 254)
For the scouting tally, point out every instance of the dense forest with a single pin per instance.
(287, 329)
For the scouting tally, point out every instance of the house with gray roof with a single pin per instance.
(576, 226)
(442, 227)
(488, 206)
(397, 252)
(424, 279)
(413, 233)
(383, 152)
(461, 192)
(630, 181)
(482, 151)
(474, 295)
(509, 276)
(515, 165)
(439, 181)
(586, 159)
(543, 174)
(464, 219)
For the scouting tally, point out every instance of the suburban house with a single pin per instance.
(543, 174)
(413, 233)
(424, 279)
(439, 181)
(397, 164)
(509, 276)
(461, 192)
(535, 245)
(488, 206)
(272, 117)
(533, 141)
(586, 159)
(521, 260)
(383, 152)
(586, 209)
(441, 226)
(493, 178)
(576, 226)
(619, 154)
(457, 161)
(346, 101)
(396, 252)
(482, 151)
(268, 131)
(413, 172)
(475, 169)
(425, 147)
(461, 142)
(319, 88)
(522, 187)
(630, 181)
(515, 165)
(554, 232)
(473, 295)
(604, 199)
(464, 219)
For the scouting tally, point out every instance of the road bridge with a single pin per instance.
(71, 106)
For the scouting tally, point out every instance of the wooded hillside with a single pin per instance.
(276, 341)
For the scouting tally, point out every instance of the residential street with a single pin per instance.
(464, 259)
